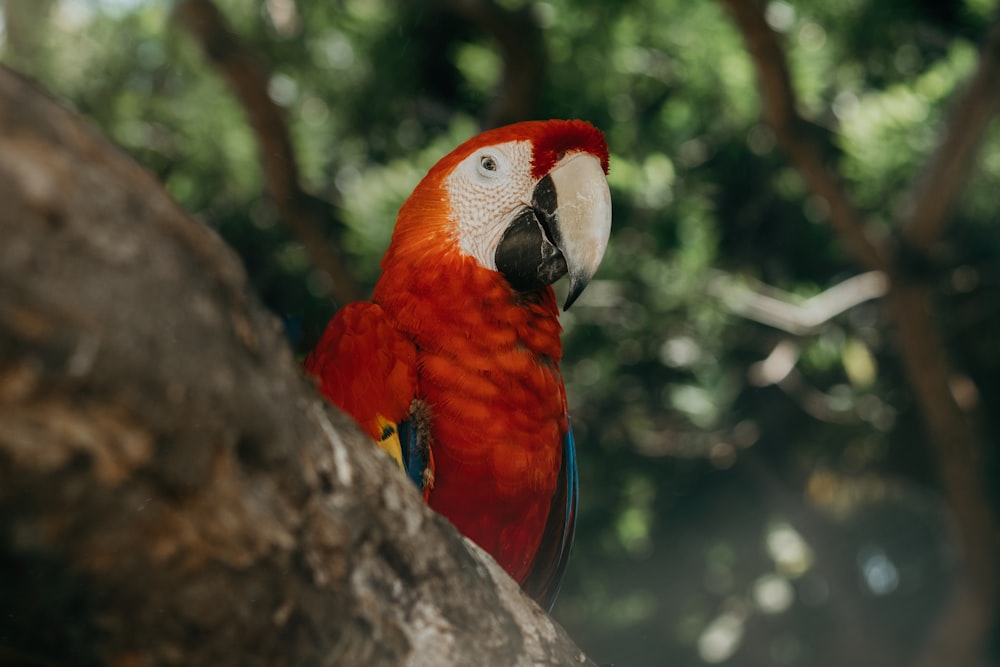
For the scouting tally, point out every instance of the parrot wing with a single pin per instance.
(547, 570)
(414, 445)
(369, 369)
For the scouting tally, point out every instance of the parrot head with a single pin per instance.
(529, 200)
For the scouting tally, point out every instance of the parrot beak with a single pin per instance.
(581, 222)
(565, 230)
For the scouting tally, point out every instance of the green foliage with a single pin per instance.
(671, 558)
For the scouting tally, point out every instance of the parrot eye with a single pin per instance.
(488, 163)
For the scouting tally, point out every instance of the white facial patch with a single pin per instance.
(487, 190)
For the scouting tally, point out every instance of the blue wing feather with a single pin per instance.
(545, 578)
(409, 441)
(414, 443)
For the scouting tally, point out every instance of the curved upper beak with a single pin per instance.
(564, 231)
(580, 222)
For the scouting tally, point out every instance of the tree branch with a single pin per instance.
(171, 490)
(522, 48)
(780, 113)
(954, 437)
(308, 217)
(781, 310)
(934, 194)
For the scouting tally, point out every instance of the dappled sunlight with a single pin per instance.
(722, 636)
(772, 593)
(791, 555)
(879, 572)
(757, 588)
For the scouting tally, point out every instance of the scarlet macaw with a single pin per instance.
(452, 367)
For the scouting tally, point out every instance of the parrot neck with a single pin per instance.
(435, 297)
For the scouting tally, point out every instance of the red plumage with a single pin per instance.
(365, 366)
(490, 375)
(481, 356)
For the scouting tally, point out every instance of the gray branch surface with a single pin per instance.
(172, 491)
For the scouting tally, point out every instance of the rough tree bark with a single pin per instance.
(171, 490)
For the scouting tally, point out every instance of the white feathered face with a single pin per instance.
(533, 229)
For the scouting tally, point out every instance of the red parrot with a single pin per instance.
(453, 366)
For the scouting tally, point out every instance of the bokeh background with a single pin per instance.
(759, 484)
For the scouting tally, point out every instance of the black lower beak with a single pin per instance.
(528, 256)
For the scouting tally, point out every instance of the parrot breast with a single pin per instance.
(487, 360)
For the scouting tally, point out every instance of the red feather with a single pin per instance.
(365, 366)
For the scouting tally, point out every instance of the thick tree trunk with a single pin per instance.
(171, 490)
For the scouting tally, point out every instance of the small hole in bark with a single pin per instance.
(79, 462)
(248, 452)
(55, 219)
(399, 563)
(325, 482)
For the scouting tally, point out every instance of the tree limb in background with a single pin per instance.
(308, 217)
(522, 48)
(957, 445)
(172, 492)
(935, 193)
(954, 436)
(799, 317)
(779, 108)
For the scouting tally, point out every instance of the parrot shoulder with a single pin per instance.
(368, 368)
